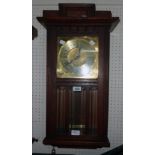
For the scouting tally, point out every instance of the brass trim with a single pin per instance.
(76, 126)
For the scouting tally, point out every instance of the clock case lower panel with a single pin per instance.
(86, 107)
(77, 27)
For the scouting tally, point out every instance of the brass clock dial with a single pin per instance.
(77, 57)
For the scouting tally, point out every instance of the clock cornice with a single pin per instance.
(69, 14)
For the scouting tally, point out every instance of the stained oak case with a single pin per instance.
(77, 75)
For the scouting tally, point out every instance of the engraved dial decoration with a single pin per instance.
(77, 57)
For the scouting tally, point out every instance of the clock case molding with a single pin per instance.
(77, 20)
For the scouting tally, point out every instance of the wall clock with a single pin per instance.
(77, 75)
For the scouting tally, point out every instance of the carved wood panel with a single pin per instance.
(77, 110)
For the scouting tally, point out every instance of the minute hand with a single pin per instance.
(77, 56)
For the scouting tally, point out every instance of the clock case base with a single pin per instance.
(73, 142)
(78, 20)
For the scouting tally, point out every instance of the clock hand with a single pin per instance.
(76, 57)
(78, 54)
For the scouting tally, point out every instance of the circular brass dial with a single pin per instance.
(77, 58)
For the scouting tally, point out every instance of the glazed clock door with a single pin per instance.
(77, 75)
(76, 82)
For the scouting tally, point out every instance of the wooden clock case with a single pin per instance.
(89, 117)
